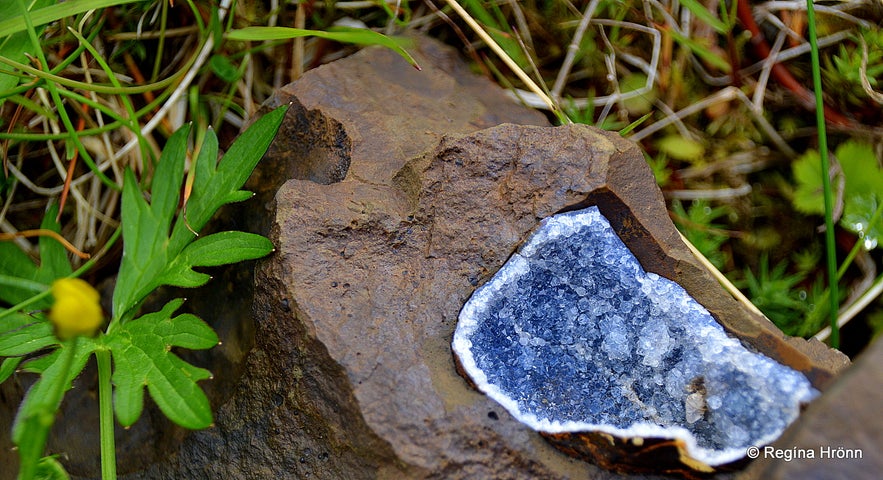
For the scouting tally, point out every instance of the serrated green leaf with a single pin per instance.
(226, 247)
(146, 227)
(216, 184)
(188, 331)
(150, 253)
(861, 172)
(239, 196)
(142, 356)
(216, 249)
(206, 166)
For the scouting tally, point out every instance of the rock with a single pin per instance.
(845, 420)
(404, 196)
(374, 276)
(572, 336)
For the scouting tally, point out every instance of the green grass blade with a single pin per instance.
(55, 12)
(704, 15)
(56, 98)
(703, 52)
(15, 46)
(356, 36)
(830, 243)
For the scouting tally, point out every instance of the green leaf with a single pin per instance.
(777, 294)
(37, 411)
(22, 334)
(860, 167)
(44, 397)
(55, 11)
(807, 171)
(863, 178)
(21, 283)
(146, 227)
(217, 249)
(641, 104)
(142, 356)
(15, 46)
(356, 36)
(216, 184)
(862, 216)
(144, 249)
(49, 468)
(224, 68)
(151, 257)
(54, 263)
(21, 278)
(7, 368)
(696, 223)
(165, 191)
(680, 148)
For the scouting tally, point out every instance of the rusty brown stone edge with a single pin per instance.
(638, 454)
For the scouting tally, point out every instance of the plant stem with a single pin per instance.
(830, 244)
(553, 106)
(105, 412)
(39, 423)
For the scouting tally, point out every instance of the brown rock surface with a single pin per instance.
(401, 202)
(368, 280)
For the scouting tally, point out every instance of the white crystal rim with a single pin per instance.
(516, 265)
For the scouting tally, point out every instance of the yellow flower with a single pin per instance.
(76, 310)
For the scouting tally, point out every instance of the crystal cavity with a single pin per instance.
(572, 335)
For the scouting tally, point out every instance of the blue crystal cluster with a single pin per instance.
(573, 335)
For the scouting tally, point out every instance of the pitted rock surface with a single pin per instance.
(390, 195)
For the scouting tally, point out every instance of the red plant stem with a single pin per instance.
(780, 72)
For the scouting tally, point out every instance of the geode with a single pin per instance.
(573, 338)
